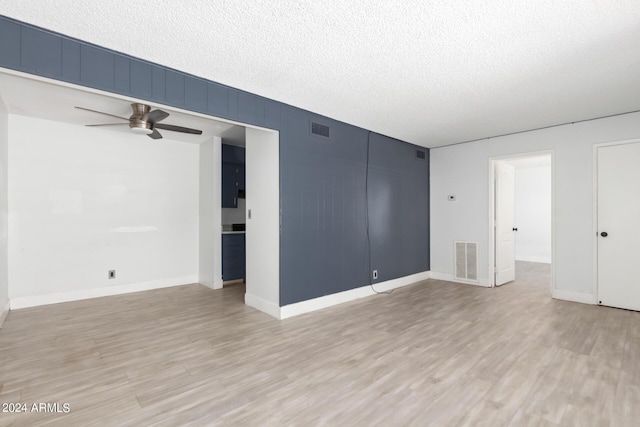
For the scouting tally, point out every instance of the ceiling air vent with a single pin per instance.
(320, 130)
(420, 154)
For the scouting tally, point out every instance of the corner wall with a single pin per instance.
(83, 201)
(463, 170)
(209, 241)
(263, 221)
(4, 266)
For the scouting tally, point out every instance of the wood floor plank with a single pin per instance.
(433, 353)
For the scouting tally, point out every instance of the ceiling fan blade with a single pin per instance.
(178, 129)
(100, 112)
(155, 116)
(109, 124)
(155, 135)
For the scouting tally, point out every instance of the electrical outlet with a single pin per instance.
(112, 274)
(375, 274)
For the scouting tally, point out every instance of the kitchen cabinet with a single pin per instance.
(233, 175)
(233, 154)
(229, 186)
(233, 256)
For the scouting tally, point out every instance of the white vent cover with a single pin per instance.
(466, 261)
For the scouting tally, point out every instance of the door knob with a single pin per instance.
(604, 234)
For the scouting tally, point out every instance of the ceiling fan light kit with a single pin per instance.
(143, 121)
(139, 126)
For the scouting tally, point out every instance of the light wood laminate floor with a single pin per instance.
(430, 354)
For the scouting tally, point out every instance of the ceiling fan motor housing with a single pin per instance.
(137, 122)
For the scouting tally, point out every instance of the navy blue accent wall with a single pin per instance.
(323, 244)
(398, 200)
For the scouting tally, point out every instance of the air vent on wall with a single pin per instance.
(466, 261)
(420, 154)
(320, 130)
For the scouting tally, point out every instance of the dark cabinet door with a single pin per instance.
(232, 154)
(233, 178)
(233, 256)
(229, 186)
(240, 177)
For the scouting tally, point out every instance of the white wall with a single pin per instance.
(4, 279)
(83, 201)
(263, 225)
(210, 241)
(463, 170)
(533, 213)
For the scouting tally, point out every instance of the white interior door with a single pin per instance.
(619, 226)
(505, 247)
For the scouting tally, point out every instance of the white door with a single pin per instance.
(619, 226)
(505, 246)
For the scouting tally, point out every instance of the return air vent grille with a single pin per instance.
(466, 261)
(420, 154)
(320, 130)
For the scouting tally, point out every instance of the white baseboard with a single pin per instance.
(263, 305)
(350, 295)
(581, 297)
(207, 283)
(4, 312)
(55, 298)
(212, 284)
(450, 278)
(543, 260)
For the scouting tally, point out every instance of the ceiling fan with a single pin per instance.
(144, 121)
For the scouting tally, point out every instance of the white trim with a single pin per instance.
(484, 282)
(55, 298)
(595, 208)
(492, 223)
(263, 305)
(218, 284)
(4, 313)
(580, 297)
(540, 259)
(350, 295)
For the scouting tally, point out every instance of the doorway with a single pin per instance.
(258, 212)
(617, 224)
(521, 219)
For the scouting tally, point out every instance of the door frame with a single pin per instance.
(491, 223)
(596, 297)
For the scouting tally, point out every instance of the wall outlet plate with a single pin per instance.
(375, 274)
(112, 274)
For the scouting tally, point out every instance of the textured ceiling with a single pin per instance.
(428, 72)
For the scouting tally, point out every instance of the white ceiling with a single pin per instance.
(428, 72)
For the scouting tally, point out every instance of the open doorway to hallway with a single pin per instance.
(522, 219)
